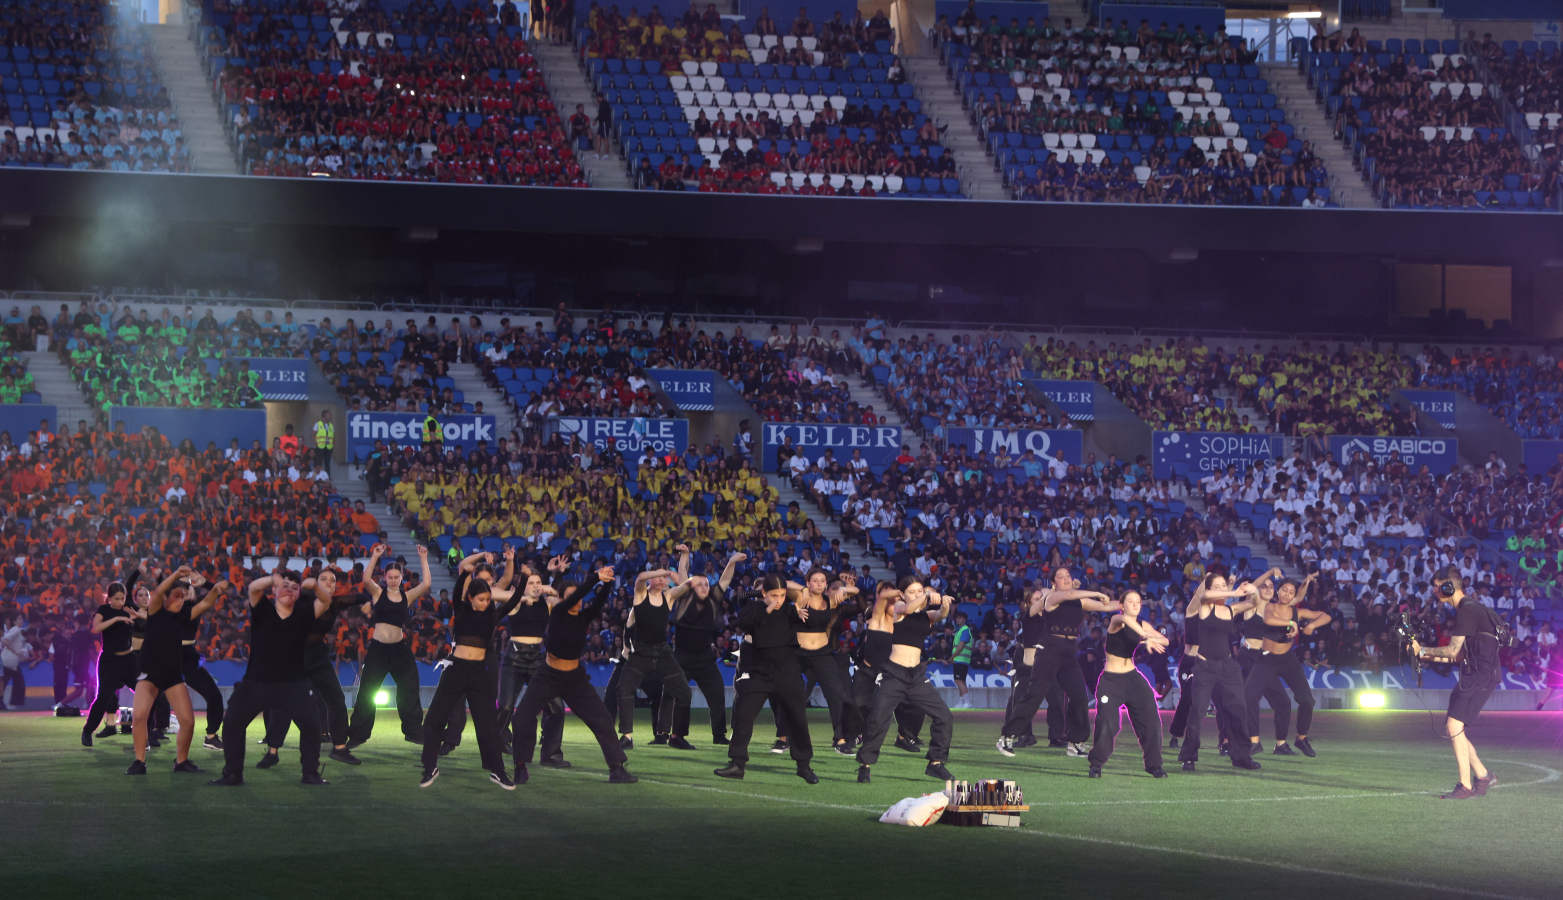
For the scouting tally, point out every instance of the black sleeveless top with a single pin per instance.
(912, 630)
(1255, 627)
(390, 612)
(161, 644)
(116, 637)
(1191, 631)
(819, 620)
(875, 650)
(651, 625)
(1032, 629)
(188, 624)
(1065, 619)
(1122, 643)
(529, 619)
(1217, 637)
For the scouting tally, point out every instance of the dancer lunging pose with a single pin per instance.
(1122, 685)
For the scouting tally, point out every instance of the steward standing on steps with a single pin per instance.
(433, 434)
(325, 439)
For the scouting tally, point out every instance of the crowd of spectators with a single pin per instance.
(79, 90)
(15, 381)
(428, 91)
(1522, 389)
(389, 368)
(590, 369)
(1530, 80)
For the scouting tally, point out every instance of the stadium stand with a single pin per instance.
(1528, 74)
(79, 90)
(421, 91)
(703, 103)
(1524, 391)
(1162, 114)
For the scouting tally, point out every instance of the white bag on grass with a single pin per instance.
(916, 811)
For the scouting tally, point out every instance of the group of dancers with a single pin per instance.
(791, 633)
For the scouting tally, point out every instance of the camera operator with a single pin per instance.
(1474, 643)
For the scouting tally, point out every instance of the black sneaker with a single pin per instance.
(731, 770)
(186, 766)
(1053, 743)
(1283, 750)
(153, 741)
(1251, 765)
(522, 774)
(909, 744)
(1172, 744)
(1460, 792)
(779, 747)
(108, 731)
(429, 774)
(720, 740)
(313, 779)
(86, 739)
(268, 760)
(212, 742)
(862, 775)
(355, 743)
(621, 775)
(1480, 785)
(226, 780)
(137, 767)
(1025, 740)
(626, 742)
(1188, 767)
(1156, 773)
(660, 740)
(678, 742)
(807, 774)
(499, 777)
(125, 729)
(843, 748)
(557, 762)
(446, 748)
(346, 757)
(1225, 749)
(937, 769)
(1096, 771)
(1306, 748)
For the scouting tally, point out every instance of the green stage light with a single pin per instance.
(1372, 700)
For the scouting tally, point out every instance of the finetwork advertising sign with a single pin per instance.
(1061, 443)
(404, 429)
(692, 390)
(1440, 455)
(1438, 404)
(1195, 454)
(1076, 398)
(280, 379)
(628, 436)
(880, 444)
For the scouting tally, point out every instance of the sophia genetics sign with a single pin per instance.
(1440, 455)
(632, 435)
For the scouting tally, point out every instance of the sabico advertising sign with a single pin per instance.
(1440, 455)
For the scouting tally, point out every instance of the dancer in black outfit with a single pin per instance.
(1063, 608)
(1186, 668)
(195, 675)
(1218, 672)
(646, 652)
(1473, 642)
(563, 677)
(1252, 631)
(1121, 684)
(827, 603)
(320, 669)
(480, 566)
(274, 677)
(389, 608)
(1278, 662)
(162, 667)
(522, 660)
(768, 669)
(473, 621)
(903, 676)
(116, 662)
(697, 621)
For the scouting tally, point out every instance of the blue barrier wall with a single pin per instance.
(21, 418)
(201, 426)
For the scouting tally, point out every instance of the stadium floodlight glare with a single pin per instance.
(382, 698)
(1372, 700)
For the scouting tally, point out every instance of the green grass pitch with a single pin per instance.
(1361, 820)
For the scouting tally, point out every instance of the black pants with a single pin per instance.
(455, 724)
(1280, 703)
(1057, 701)
(908, 718)
(394, 660)
(899, 685)
(470, 682)
(1054, 664)
(1223, 680)
(321, 673)
(653, 690)
(1115, 690)
(702, 669)
(202, 682)
(13, 677)
(828, 670)
(62, 677)
(1180, 716)
(1269, 671)
(575, 688)
(295, 699)
(519, 664)
(114, 672)
(657, 661)
(770, 674)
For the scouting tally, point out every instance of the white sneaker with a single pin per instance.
(1006, 745)
(1075, 749)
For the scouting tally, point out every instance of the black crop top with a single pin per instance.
(1191, 631)
(1254, 628)
(875, 650)
(912, 630)
(1122, 643)
(819, 620)
(116, 637)
(161, 644)
(1217, 637)
(1065, 618)
(470, 628)
(529, 619)
(1032, 629)
(566, 635)
(651, 625)
(388, 611)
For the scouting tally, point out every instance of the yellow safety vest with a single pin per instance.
(432, 433)
(325, 435)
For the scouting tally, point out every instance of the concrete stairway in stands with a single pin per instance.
(200, 119)
(942, 104)
(57, 388)
(830, 529)
(569, 86)
(349, 482)
(868, 394)
(1311, 123)
(473, 389)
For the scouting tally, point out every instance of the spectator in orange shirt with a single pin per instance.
(364, 520)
